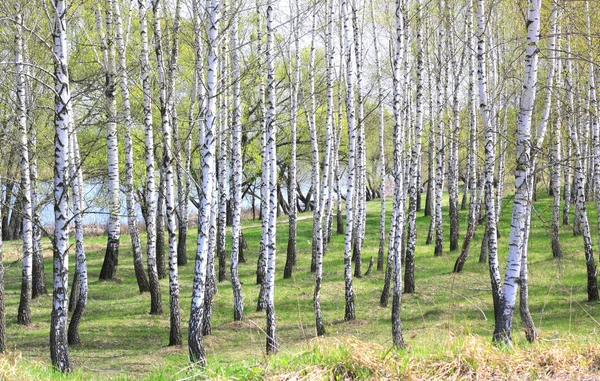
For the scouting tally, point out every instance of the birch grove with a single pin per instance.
(249, 119)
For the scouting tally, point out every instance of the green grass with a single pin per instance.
(448, 314)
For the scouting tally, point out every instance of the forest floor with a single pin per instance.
(447, 322)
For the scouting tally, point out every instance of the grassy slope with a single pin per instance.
(449, 313)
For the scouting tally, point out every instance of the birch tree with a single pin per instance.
(290, 259)
(522, 177)
(317, 232)
(472, 154)
(76, 178)
(271, 342)
(490, 158)
(579, 182)
(326, 171)
(236, 142)
(441, 93)
(409, 274)
(38, 287)
(398, 214)
(24, 312)
(132, 218)
(536, 147)
(264, 190)
(593, 115)
(382, 171)
(59, 351)
(195, 342)
(349, 291)
(175, 319)
(222, 165)
(360, 194)
(151, 256)
(111, 256)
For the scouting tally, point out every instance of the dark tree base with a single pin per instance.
(111, 260)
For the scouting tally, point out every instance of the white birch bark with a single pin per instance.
(555, 166)
(271, 340)
(132, 218)
(262, 264)
(441, 87)
(38, 273)
(398, 221)
(490, 158)
(222, 200)
(111, 257)
(175, 319)
(155, 297)
(264, 201)
(76, 177)
(236, 142)
(24, 312)
(382, 171)
(59, 351)
(195, 342)
(180, 208)
(292, 180)
(522, 197)
(530, 331)
(360, 196)
(349, 291)
(326, 171)
(414, 169)
(593, 115)
(579, 181)
(317, 232)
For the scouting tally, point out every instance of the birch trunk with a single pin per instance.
(24, 312)
(179, 209)
(151, 255)
(579, 184)
(317, 232)
(326, 171)
(195, 342)
(223, 159)
(38, 274)
(59, 351)
(271, 340)
(360, 196)
(382, 171)
(80, 259)
(555, 163)
(175, 318)
(529, 326)
(409, 274)
(472, 154)
(490, 158)
(522, 178)
(292, 178)
(132, 218)
(349, 291)
(111, 257)
(398, 212)
(236, 142)
(453, 156)
(594, 122)
(440, 143)
(160, 219)
(211, 284)
(264, 201)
